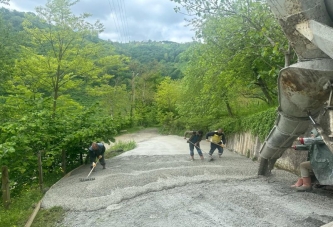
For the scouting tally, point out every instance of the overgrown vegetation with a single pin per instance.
(21, 208)
(259, 124)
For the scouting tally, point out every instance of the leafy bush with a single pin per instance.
(258, 124)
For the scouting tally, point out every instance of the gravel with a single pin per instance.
(156, 184)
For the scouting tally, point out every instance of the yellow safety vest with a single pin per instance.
(216, 138)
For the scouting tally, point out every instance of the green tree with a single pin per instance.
(115, 99)
(63, 49)
(8, 53)
(59, 58)
(243, 41)
(166, 98)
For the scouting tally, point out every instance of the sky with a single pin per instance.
(127, 20)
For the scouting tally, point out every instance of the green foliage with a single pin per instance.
(13, 18)
(120, 147)
(9, 42)
(37, 129)
(125, 146)
(58, 100)
(145, 114)
(258, 124)
(20, 209)
(167, 95)
(59, 50)
(57, 62)
(166, 98)
(165, 52)
(242, 52)
(230, 77)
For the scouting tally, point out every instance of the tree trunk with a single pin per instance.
(287, 56)
(265, 91)
(5, 187)
(40, 171)
(229, 109)
(63, 162)
(56, 90)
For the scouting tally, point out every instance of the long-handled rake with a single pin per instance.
(196, 146)
(87, 178)
(221, 145)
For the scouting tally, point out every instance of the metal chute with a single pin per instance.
(303, 87)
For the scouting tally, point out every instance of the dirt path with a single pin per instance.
(156, 185)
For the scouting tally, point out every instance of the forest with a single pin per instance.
(62, 87)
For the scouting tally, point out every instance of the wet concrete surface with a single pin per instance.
(156, 184)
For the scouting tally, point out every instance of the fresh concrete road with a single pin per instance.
(156, 184)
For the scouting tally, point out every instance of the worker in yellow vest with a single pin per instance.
(217, 141)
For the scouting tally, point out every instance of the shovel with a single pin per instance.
(221, 145)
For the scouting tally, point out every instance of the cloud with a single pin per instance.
(128, 20)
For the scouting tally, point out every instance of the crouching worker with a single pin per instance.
(304, 182)
(96, 151)
(194, 141)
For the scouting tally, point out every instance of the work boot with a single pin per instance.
(298, 183)
(306, 187)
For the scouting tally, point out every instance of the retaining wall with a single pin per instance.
(249, 145)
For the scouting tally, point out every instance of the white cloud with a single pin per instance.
(128, 20)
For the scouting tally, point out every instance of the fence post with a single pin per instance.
(40, 171)
(5, 187)
(63, 162)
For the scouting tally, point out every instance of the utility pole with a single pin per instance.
(133, 94)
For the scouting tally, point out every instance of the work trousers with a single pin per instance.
(305, 168)
(213, 147)
(192, 149)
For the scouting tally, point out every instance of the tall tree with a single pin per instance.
(241, 33)
(8, 53)
(59, 58)
(63, 49)
(166, 98)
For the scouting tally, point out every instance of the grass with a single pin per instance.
(119, 148)
(48, 217)
(20, 209)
